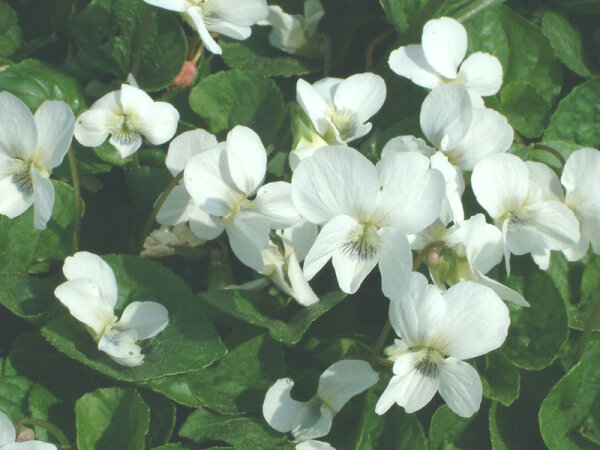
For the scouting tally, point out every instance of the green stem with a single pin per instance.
(477, 6)
(137, 56)
(587, 332)
(161, 200)
(62, 439)
(135, 160)
(552, 151)
(326, 54)
(77, 189)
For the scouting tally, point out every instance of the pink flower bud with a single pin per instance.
(187, 75)
(25, 434)
(433, 259)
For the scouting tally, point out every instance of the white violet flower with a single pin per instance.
(365, 211)
(437, 60)
(312, 419)
(126, 115)
(8, 437)
(164, 241)
(231, 18)
(438, 330)
(90, 294)
(30, 147)
(221, 180)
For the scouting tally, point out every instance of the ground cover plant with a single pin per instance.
(251, 224)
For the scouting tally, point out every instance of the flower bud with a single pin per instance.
(25, 434)
(186, 76)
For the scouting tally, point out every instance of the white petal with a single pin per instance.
(343, 380)
(134, 100)
(247, 159)
(488, 134)
(90, 266)
(482, 241)
(8, 433)
(460, 386)
(87, 303)
(43, 199)
(242, 12)
(395, 261)
(13, 201)
(29, 445)
(446, 116)
(177, 207)
(172, 5)
(452, 208)
(312, 103)
(407, 144)
(54, 121)
(18, 133)
(331, 239)
(279, 409)
(205, 226)
(159, 122)
(556, 223)
(313, 422)
(121, 347)
(481, 74)
(363, 94)
(228, 29)
(301, 290)
(248, 235)
(504, 292)
(185, 146)
(581, 174)
(410, 194)
(126, 147)
(92, 127)
(418, 312)
(209, 184)
(197, 18)
(500, 183)
(444, 44)
(476, 321)
(274, 202)
(410, 62)
(335, 181)
(299, 238)
(314, 445)
(351, 269)
(146, 319)
(327, 87)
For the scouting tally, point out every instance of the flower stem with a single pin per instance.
(137, 56)
(326, 54)
(552, 151)
(77, 189)
(587, 332)
(369, 62)
(55, 431)
(161, 200)
(469, 11)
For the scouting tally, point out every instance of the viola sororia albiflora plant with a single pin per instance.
(320, 224)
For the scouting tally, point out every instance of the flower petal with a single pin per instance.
(362, 93)
(274, 202)
(343, 380)
(395, 261)
(92, 127)
(205, 226)
(311, 444)
(134, 100)
(241, 12)
(172, 5)
(197, 18)
(14, 200)
(159, 122)
(279, 409)
(177, 207)
(352, 269)
(407, 144)
(90, 266)
(229, 29)
(300, 289)
(299, 238)
(313, 104)
(54, 121)
(476, 321)
(18, 133)
(146, 319)
(314, 421)
(444, 44)
(126, 147)
(185, 146)
(410, 62)
(504, 292)
(335, 181)
(43, 199)
(481, 74)
(8, 434)
(248, 235)
(121, 347)
(247, 159)
(460, 387)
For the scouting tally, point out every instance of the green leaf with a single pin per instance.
(401, 13)
(35, 82)
(446, 427)
(13, 396)
(580, 311)
(529, 345)
(566, 42)
(112, 417)
(188, 343)
(526, 109)
(45, 405)
(41, 18)
(258, 55)
(568, 404)
(10, 32)
(523, 50)
(242, 432)
(107, 34)
(253, 308)
(162, 419)
(500, 378)
(236, 385)
(577, 118)
(227, 99)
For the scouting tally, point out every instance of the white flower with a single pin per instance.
(339, 109)
(221, 180)
(471, 249)
(438, 330)
(365, 211)
(90, 294)
(314, 445)
(284, 267)
(525, 201)
(165, 240)
(312, 419)
(465, 133)
(293, 34)
(126, 115)
(581, 179)
(437, 61)
(30, 147)
(231, 18)
(8, 437)
(179, 208)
